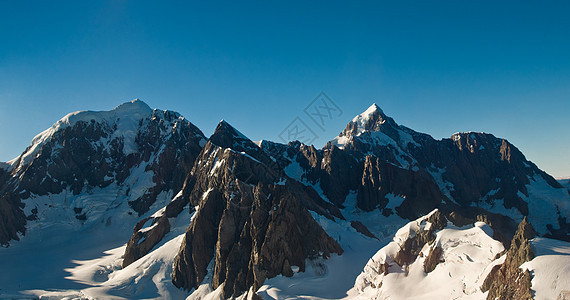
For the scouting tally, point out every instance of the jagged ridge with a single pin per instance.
(249, 195)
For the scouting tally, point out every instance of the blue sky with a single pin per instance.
(437, 67)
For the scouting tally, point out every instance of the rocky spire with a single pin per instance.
(226, 136)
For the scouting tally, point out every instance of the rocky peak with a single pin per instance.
(370, 120)
(372, 129)
(251, 221)
(475, 141)
(166, 115)
(134, 106)
(120, 122)
(106, 150)
(226, 136)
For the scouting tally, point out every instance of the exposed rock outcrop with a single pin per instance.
(433, 258)
(381, 178)
(89, 150)
(12, 218)
(174, 153)
(259, 216)
(97, 152)
(508, 281)
(503, 227)
(255, 204)
(144, 239)
(412, 246)
(468, 171)
(362, 229)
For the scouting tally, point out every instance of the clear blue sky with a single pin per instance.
(437, 67)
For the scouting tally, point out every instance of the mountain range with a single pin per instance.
(138, 203)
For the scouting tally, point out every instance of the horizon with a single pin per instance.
(208, 134)
(437, 67)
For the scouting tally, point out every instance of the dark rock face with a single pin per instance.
(72, 161)
(12, 218)
(413, 245)
(375, 157)
(508, 281)
(336, 171)
(175, 155)
(362, 229)
(380, 178)
(88, 150)
(226, 136)
(477, 163)
(503, 227)
(252, 221)
(562, 233)
(143, 241)
(72, 158)
(433, 259)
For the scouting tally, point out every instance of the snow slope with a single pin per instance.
(467, 252)
(91, 265)
(109, 224)
(545, 204)
(332, 278)
(565, 182)
(68, 228)
(550, 268)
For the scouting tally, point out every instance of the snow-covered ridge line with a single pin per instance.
(469, 132)
(466, 253)
(124, 116)
(361, 121)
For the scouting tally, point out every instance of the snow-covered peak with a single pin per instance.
(135, 109)
(135, 106)
(259, 143)
(371, 120)
(373, 109)
(375, 128)
(125, 117)
(363, 120)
